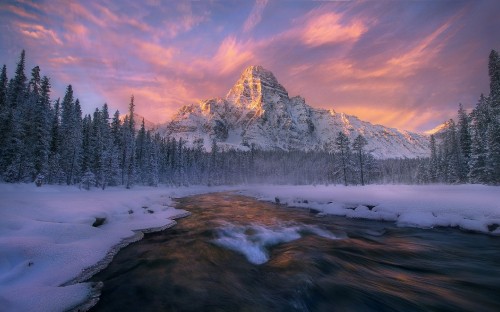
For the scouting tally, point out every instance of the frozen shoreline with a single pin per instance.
(50, 242)
(468, 207)
(87, 273)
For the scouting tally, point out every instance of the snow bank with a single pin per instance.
(469, 207)
(54, 237)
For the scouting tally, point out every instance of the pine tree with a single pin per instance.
(492, 165)
(358, 145)
(494, 73)
(153, 164)
(42, 128)
(433, 162)
(477, 163)
(17, 86)
(342, 143)
(3, 88)
(55, 171)
(109, 161)
(116, 147)
(465, 142)
(129, 145)
(214, 168)
(77, 139)
(96, 146)
(12, 148)
(452, 155)
(87, 147)
(71, 137)
(4, 112)
(141, 154)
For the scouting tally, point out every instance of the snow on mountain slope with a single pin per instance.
(257, 110)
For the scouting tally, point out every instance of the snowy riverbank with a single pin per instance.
(47, 238)
(52, 236)
(469, 207)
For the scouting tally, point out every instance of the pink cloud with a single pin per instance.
(154, 54)
(18, 11)
(231, 55)
(255, 16)
(38, 32)
(327, 28)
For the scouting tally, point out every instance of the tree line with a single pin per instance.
(50, 141)
(468, 150)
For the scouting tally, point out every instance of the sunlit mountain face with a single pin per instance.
(403, 64)
(258, 112)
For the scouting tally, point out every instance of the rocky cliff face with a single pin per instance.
(257, 110)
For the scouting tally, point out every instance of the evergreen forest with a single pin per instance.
(47, 140)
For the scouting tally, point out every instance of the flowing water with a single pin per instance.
(238, 254)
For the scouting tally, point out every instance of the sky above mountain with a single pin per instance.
(404, 64)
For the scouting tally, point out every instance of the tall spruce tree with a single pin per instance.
(38, 127)
(17, 86)
(108, 164)
(342, 143)
(55, 171)
(494, 73)
(465, 141)
(477, 163)
(71, 137)
(129, 145)
(359, 147)
(4, 112)
(493, 129)
(116, 150)
(12, 149)
(433, 162)
(141, 154)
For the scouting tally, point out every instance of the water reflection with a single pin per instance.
(307, 264)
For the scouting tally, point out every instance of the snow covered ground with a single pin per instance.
(469, 207)
(50, 241)
(47, 238)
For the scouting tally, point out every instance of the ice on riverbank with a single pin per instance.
(469, 207)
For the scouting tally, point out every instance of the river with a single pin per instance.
(235, 253)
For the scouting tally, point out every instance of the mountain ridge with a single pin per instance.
(258, 111)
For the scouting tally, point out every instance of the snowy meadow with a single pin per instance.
(53, 238)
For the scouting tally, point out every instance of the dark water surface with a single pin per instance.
(238, 254)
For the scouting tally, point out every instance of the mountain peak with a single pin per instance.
(257, 110)
(255, 71)
(255, 84)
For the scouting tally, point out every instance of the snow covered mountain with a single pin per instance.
(257, 110)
